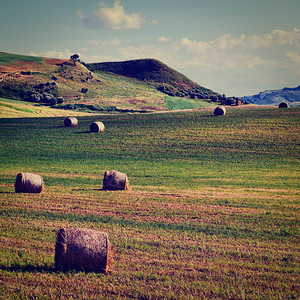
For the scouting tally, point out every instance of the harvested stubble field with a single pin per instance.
(213, 212)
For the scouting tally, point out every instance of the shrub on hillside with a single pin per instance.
(230, 101)
(35, 97)
(213, 98)
(26, 72)
(60, 100)
(221, 98)
(43, 97)
(47, 97)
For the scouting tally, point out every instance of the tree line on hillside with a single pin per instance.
(227, 100)
(199, 93)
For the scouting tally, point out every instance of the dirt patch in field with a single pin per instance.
(23, 66)
(135, 101)
(54, 61)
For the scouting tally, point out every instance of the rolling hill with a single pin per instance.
(139, 85)
(157, 74)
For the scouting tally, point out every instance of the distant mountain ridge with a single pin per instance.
(274, 97)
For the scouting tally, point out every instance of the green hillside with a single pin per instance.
(9, 58)
(21, 76)
(62, 83)
(157, 74)
(178, 103)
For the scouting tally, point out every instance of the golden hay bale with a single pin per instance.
(82, 249)
(70, 122)
(220, 111)
(97, 126)
(283, 105)
(114, 180)
(29, 183)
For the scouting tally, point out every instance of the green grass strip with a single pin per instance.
(179, 103)
(283, 234)
(9, 58)
(15, 107)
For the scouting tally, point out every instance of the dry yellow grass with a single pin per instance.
(18, 110)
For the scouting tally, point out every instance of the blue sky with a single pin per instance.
(235, 47)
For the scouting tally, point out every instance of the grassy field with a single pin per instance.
(213, 212)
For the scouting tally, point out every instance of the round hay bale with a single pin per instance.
(29, 183)
(70, 122)
(114, 180)
(82, 250)
(220, 111)
(283, 105)
(97, 126)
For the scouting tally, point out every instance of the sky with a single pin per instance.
(234, 47)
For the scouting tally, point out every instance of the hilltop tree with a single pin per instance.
(74, 57)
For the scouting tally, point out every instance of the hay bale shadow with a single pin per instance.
(81, 132)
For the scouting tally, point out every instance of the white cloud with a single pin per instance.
(246, 61)
(293, 62)
(277, 38)
(274, 49)
(194, 46)
(294, 57)
(54, 54)
(243, 62)
(94, 42)
(84, 49)
(287, 38)
(112, 18)
(162, 53)
(80, 14)
(96, 58)
(154, 22)
(32, 53)
(216, 60)
(162, 39)
(114, 42)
